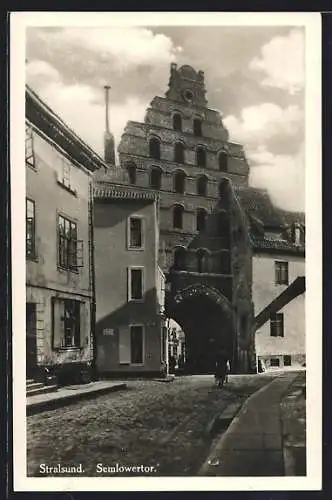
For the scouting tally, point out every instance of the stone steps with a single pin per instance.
(33, 387)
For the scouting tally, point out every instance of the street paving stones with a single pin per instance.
(151, 424)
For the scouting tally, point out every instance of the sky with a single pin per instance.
(254, 76)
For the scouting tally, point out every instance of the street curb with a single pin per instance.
(221, 421)
(287, 448)
(53, 404)
(219, 445)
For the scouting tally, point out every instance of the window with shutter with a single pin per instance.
(58, 316)
(124, 346)
(66, 319)
(84, 323)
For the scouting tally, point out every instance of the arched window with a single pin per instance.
(131, 169)
(223, 188)
(154, 148)
(202, 185)
(200, 254)
(179, 258)
(178, 217)
(201, 219)
(179, 181)
(200, 157)
(155, 178)
(179, 152)
(223, 161)
(198, 127)
(177, 122)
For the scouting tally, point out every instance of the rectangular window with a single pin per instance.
(67, 323)
(66, 167)
(136, 344)
(135, 232)
(70, 249)
(135, 283)
(29, 151)
(287, 360)
(30, 231)
(124, 346)
(281, 273)
(277, 325)
(274, 362)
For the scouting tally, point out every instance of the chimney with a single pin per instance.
(109, 150)
(297, 234)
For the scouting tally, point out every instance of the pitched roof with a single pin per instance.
(103, 190)
(277, 245)
(46, 120)
(258, 206)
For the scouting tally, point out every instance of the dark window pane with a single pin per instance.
(177, 122)
(67, 243)
(135, 232)
(201, 219)
(287, 360)
(155, 179)
(131, 169)
(202, 186)
(275, 362)
(179, 182)
(179, 152)
(201, 157)
(136, 284)
(197, 127)
(178, 217)
(179, 258)
(223, 162)
(154, 146)
(136, 340)
(30, 229)
(71, 323)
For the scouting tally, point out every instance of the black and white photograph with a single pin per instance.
(166, 251)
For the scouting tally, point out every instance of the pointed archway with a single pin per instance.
(206, 318)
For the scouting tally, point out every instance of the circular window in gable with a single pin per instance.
(188, 95)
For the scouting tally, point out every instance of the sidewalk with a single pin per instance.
(253, 444)
(70, 394)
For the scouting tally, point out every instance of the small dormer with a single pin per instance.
(298, 234)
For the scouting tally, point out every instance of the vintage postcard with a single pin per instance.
(166, 239)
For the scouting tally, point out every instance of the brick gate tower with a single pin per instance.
(182, 151)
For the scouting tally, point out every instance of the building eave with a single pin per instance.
(108, 191)
(45, 119)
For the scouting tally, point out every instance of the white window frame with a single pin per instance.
(143, 343)
(279, 263)
(143, 225)
(278, 320)
(130, 268)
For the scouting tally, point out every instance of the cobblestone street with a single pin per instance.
(163, 425)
